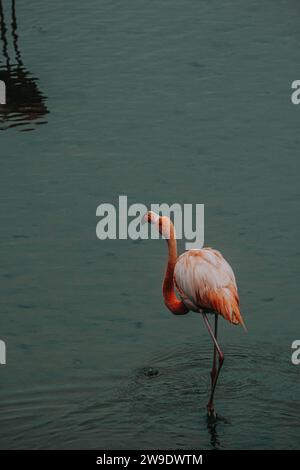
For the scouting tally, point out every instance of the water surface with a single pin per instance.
(168, 101)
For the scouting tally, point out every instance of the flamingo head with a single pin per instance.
(161, 223)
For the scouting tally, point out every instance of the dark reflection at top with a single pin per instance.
(25, 104)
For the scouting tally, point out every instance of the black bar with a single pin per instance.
(127, 459)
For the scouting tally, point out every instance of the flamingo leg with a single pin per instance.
(217, 350)
(214, 368)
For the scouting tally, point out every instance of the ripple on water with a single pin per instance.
(162, 405)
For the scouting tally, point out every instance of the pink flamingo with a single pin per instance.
(205, 283)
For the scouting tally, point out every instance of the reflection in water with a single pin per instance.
(25, 104)
(214, 438)
(212, 425)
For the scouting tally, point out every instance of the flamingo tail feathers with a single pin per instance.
(226, 303)
(237, 318)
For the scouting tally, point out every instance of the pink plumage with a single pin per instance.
(204, 279)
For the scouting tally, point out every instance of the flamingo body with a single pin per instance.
(205, 281)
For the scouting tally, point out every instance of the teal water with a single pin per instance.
(167, 101)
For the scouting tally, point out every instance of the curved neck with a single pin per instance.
(171, 301)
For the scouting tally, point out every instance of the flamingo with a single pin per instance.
(205, 283)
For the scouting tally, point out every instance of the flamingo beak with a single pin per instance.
(144, 219)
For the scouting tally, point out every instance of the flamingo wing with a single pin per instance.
(203, 278)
